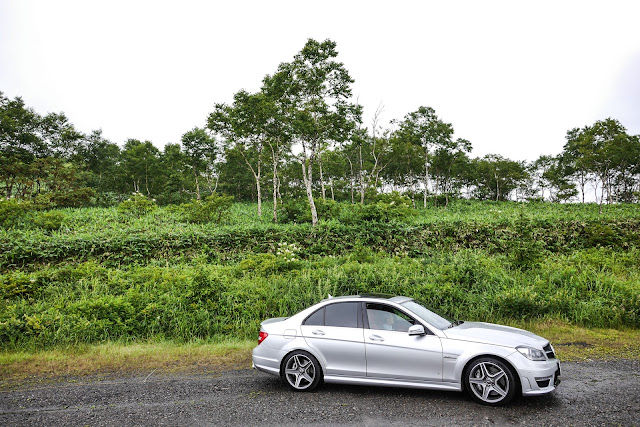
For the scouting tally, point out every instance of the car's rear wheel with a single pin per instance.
(490, 381)
(302, 371)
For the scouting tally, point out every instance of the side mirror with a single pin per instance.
(416, 330)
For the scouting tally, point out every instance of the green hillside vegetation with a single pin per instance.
(104, 276)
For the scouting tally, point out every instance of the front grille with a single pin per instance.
(549, 351)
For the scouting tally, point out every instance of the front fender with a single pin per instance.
(456, 355)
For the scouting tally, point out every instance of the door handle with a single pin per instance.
(317, 332)
(376, 338)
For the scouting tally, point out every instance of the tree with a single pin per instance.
(447, 164)
(175, 172)
(317, 92)
(28, 143)
(236, 181)
(243, 124)
(423, 128)
(60, 136)
(556, 175)
(497, 177)
(605, 154)
(139, 163)
(200, 150)
(275, 105)
(406, 161)
(99, 157)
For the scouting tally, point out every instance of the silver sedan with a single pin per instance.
(396, 341)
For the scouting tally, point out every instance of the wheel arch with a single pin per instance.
(514, 371)
(306, 350)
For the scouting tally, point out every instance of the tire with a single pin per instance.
(490, 381)
(301, 371)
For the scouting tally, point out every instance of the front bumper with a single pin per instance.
(536, 377)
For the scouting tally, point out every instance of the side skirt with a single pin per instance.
(392, 383)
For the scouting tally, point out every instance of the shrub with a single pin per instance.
(137, 205)
(107, 199)
(215, 208)
(598, 235)
(268, 264)
(298, 211)
(525, 249)
(75, 198)
(391, 207)
(50, 221)
(11, 211)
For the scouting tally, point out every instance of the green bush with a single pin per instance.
(76, 198)
(601, 235)
(524, 246)
(214, 209)
(12, 211)
(391, 207)
(298, 210)
(137, 205)
(268, 264)
(294, 211)
(49, 221)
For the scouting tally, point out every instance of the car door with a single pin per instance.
(335, 333)
(393, 354)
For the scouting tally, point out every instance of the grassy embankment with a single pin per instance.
(107, 293)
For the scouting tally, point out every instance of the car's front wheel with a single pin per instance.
(490, 381)
(302, 371)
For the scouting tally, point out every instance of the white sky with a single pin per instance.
(511, 76)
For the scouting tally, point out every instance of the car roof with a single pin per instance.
(399, 299)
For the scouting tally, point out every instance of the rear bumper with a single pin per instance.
(265, 359)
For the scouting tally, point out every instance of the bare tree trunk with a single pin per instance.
(307, 178)
(324, 193)
(333, 196)
(351, 179)
(275, 185)
(353, 201)
(602, 194)
(208, 179)
(413, 190)
(361, 175)
(426, 176)
(146, 180)
(259, 191)
(279, 195)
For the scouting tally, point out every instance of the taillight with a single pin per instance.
(262, 336)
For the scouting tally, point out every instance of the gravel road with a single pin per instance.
(591, 393)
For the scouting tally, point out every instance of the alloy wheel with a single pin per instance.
(300, 372)
(489, 382)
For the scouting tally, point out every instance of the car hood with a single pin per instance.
(488, 333)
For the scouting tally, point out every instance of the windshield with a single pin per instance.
(437, 320)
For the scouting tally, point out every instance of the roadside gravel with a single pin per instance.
(591, 393)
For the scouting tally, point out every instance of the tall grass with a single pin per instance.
(86, 303)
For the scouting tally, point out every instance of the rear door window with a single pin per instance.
(341, 314)
(344, 314)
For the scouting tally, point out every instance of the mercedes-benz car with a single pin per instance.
(396, 341)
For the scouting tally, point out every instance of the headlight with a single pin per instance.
(532, 353)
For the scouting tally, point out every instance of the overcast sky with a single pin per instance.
(511, 76)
